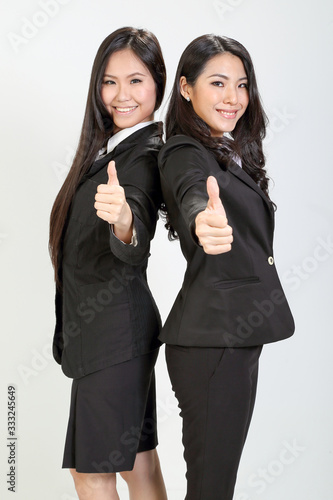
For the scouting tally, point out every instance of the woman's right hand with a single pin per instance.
(211, 225)
(112, 206)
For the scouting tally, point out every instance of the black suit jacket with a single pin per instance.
(106, 313)
(233, 299)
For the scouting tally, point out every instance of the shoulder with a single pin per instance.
(148, 138)
(184, 148)
(140, 149)
(181, 141)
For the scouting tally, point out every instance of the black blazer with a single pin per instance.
(233, 299)
(106, 313)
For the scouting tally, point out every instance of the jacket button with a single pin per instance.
(270, 260)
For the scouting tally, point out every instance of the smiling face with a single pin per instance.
(220, 94)
(128, 90)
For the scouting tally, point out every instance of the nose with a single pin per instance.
(123, 93)
(230, 95)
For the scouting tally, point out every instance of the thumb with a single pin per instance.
(112, 174)
(214, 202)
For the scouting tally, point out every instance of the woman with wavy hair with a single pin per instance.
(231, 301)
(102, 222)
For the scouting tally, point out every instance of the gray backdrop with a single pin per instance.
(47, 49)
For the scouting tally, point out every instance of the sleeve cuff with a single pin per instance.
(134, 239)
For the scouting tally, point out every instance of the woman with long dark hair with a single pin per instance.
(231, 302)
(102, 222)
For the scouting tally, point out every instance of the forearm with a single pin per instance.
(124, 228)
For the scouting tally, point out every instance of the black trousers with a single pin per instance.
(216, 390)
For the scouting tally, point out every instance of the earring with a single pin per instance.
(188, 99)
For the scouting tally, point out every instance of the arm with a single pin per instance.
(112, 206)
(184, 166)
(135, 200)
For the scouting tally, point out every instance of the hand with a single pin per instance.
(211, 225)
(111, 205)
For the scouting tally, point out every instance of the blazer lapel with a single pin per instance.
(127, 143)
(236, 170)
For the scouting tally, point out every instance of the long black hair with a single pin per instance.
(97, 124)
(246, 139)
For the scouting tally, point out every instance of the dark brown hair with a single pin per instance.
(97, 124)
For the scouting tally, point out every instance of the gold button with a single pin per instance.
(270, 260)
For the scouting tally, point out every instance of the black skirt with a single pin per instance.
(112, 417)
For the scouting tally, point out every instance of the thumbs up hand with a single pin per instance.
(111, 205)
(112, 174)
(211, 225)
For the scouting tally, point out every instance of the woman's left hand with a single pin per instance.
(111, 205)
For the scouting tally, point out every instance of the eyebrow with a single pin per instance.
(128, 76)
(226, 77)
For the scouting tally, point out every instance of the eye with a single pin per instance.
(218, 84)
(108, 82)
(244, 86)
(136, 80)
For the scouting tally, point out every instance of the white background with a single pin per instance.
(46, 60)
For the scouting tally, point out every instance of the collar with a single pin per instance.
(153, 131)
(119, 137)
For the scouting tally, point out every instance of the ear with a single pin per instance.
(185, 88)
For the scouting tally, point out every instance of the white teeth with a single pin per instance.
(228, 113)
(125, 110)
